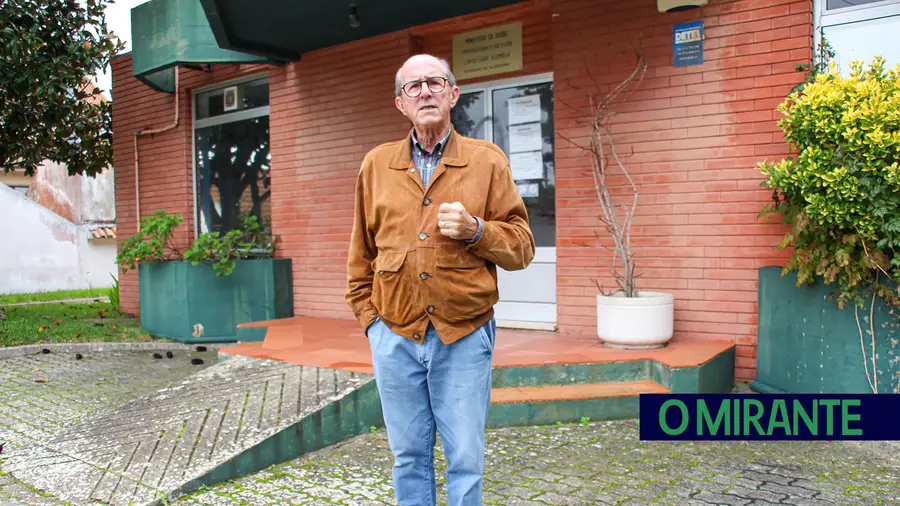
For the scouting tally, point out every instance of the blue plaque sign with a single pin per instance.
(688, 44)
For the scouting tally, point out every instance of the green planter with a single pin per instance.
(189, 303)
(807, 345)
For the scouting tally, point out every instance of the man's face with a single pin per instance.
(429, 109)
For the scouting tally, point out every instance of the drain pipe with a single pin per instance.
(137, 133)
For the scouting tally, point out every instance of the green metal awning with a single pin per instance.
(285, 29)
(166, 33)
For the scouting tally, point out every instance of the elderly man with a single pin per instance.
(435, 214)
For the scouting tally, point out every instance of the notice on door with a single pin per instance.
(493, 50)
(527, 165)
(525, 137)
(524, 109)
(528, 190)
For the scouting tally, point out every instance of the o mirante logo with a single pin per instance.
(767, 416)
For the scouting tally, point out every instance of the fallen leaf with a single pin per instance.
(43, 328)
(40, 380)
(74, 317)
(115, 327)
(57, 321)
(102, 314)
(78, 334)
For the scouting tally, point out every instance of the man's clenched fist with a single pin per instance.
(455, 222)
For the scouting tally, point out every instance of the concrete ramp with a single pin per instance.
(238, 416)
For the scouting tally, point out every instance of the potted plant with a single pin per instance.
(627, 317)
(202, 294)
(840, 196)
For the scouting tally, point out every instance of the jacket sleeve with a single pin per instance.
(359, 259)
(506, 237)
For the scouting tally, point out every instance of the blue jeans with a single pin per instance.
(431, 386)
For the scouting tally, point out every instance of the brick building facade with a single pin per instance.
(695, 135)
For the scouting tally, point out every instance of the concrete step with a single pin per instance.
(547, 404)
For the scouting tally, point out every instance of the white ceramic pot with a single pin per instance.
(640, 322)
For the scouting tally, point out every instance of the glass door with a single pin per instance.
(517, 115)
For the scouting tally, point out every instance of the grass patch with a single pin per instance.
(58, 295)
(68, 323)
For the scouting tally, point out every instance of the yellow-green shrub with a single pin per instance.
(841, 192)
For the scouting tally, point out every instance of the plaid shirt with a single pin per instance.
(426, 163)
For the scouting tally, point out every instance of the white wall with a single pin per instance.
(41, 251)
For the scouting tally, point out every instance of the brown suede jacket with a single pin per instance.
(402, 269)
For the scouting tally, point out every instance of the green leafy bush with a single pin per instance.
(153, 243)
(841, 192)
(223, 251)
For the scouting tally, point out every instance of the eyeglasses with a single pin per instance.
(435, 84)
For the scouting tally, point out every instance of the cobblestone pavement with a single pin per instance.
(592, 464)
(582, 464)
(41, 394)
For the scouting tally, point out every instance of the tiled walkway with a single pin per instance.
(43, 394)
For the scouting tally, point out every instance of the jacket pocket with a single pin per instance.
(467, 288)
(391, 292)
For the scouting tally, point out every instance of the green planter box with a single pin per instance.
(807, 345)
(189, 303)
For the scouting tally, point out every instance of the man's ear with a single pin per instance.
(454, 97)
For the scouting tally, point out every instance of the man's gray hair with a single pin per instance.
(398, 84)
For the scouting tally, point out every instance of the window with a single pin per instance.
(232, 160)
(842, 4)
(860, 30)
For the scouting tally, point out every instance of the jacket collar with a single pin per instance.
(453, 153)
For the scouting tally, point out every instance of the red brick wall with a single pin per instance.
(326, 112)
(697, 134)
(165, 169)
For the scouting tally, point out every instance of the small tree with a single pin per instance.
(49, 107)
(605, 157)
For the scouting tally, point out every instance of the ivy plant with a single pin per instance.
(841, 192)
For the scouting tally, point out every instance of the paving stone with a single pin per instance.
(762, 495)
(787, 490)
(722, 499)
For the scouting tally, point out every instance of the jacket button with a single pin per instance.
(430, 309)
(417, 336)
(412, 170)
(423, 275)
(423, 236)
(427, 201)
(381, 273)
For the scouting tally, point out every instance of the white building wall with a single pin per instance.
(41, 251)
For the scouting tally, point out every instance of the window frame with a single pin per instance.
(229, 117)
(487, 87)
(855, 14)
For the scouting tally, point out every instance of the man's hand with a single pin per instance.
(455, 222)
